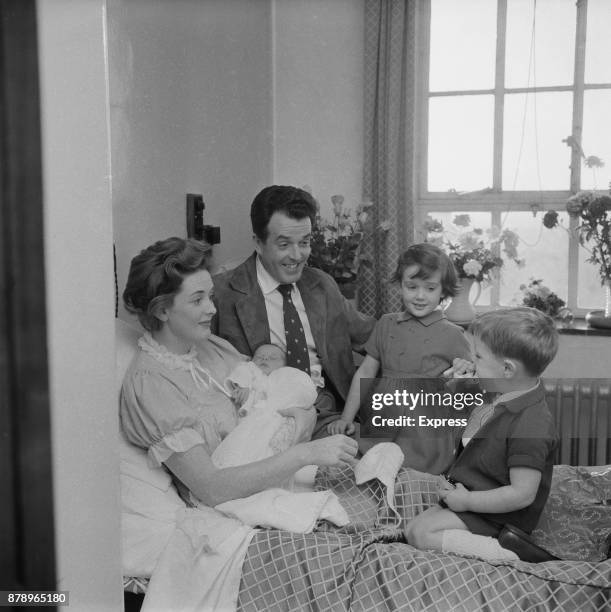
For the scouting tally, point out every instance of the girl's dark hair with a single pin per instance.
(429, 260)
(156, 276)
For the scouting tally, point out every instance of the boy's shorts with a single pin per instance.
(478, 524)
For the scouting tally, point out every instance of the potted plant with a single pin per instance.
(337, 244)
(537, 295)
(476, 254)
(591, 211)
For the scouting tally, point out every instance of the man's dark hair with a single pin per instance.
(292, 201)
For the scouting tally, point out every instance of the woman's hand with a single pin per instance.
(305, 421)
(338, 450)
(341, 426)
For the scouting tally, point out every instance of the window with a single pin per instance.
(508, 90)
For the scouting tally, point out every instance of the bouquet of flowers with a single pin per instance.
(336, 245)
(591, 209)
(475, 252)
(537, 295)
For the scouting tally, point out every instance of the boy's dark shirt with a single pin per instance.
(520, 433)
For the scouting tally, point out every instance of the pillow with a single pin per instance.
(576, 521)
(149, 502)
(126, 346)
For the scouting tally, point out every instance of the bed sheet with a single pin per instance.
(367, 566)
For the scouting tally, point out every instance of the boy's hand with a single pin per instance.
(461, 368)
(456, 498)
(341, 426)
(239, 395)
(445, 486)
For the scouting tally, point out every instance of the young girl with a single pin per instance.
(416, 343)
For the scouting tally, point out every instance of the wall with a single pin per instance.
(581, 357)
(318, 84)
(78, 258)
(191, 112)
(222, 98)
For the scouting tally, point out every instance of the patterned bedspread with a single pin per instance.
(368, 566)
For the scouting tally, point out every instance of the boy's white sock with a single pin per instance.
(464, 542)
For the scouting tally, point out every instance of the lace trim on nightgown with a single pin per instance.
(187, 362)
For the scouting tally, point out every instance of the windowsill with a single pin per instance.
(579, 327)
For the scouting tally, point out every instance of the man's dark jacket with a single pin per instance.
(336, 325)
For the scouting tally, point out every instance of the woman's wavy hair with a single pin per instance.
(156, 275)
(429, 258)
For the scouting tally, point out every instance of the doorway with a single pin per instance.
(27, 548)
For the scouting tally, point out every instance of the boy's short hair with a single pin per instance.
(521, 333)
(429, 258)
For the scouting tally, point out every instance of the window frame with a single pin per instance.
(494, 200)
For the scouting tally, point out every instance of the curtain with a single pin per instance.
(390, 136)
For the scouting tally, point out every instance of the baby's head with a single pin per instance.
(269, 357)
(512, 345)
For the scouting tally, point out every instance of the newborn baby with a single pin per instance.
(260, 388)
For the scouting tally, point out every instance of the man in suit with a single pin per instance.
(251, 304)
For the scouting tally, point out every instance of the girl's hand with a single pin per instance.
(333, 451)
(341, 426)
(456, 498)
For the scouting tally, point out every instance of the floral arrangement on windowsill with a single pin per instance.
(336, 246)
(537, 295)
(591, 209)
(475, 252)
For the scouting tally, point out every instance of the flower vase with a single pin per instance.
(602, 318)
(461, 310)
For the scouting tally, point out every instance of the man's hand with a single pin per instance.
(456, 498)
(341, 426)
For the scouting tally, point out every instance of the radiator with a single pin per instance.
(582, 412)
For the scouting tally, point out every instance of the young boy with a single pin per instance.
(503, 469)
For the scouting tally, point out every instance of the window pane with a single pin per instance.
(552, 59)
(534, 156)
(596, 138)
(451, 233)
(591, 294)
(545, 253)
(460, 143)
(598, 42)
(463, 43)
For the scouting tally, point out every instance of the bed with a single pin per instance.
(366, 565)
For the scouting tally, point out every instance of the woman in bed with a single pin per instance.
(173, 403)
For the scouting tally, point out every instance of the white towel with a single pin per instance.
(201, 567)
(383, 462)
(281, 509)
